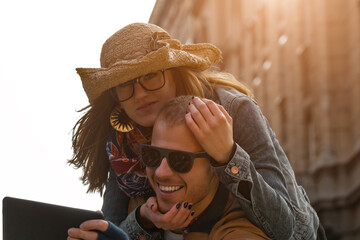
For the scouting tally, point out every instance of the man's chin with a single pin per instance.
(165, 207)
(164, 210)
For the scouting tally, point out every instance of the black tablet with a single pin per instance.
(25, 219)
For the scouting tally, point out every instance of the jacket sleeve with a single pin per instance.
(134, 230)
(260, 176)
(115, 201)
(115, 210)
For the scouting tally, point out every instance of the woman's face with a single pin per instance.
(144, 106)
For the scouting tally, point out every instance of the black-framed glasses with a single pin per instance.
(179, 161)
(150, 82)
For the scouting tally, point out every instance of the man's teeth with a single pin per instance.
(169, 188)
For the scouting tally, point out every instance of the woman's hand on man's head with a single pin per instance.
(212, 127)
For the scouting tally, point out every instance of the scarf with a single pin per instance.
(123, 150)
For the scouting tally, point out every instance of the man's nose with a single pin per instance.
(164, 169)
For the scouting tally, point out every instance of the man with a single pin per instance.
(178, 176)
(189, 202)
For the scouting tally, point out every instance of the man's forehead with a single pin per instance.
(178, 137)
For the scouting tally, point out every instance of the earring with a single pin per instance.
(120, 121)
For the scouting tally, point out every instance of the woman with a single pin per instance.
(142, 68)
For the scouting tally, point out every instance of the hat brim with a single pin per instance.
(194, 56)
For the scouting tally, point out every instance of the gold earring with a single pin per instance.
(120, 121)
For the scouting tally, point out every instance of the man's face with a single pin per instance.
(172, 187)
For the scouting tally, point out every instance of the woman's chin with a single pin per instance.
(146, 123)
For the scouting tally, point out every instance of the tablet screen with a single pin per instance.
(25, 219)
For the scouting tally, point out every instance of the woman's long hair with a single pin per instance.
(89, 138)
(203, 83)
(91, 132)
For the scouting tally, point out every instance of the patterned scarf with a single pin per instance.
(123, 150)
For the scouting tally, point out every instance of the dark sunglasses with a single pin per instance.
(179, 161)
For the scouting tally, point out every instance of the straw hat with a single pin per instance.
(138, 49)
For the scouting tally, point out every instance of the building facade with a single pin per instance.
(301, 58)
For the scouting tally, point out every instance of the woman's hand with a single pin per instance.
(212, 127)
(178, 217)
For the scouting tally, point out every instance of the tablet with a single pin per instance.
(25, 219)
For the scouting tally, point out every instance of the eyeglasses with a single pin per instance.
(179, 161)
(150, 82)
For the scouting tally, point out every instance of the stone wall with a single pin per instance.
(302, 60)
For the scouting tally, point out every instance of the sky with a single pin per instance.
(41, 44)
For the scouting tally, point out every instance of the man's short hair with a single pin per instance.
(173, 112)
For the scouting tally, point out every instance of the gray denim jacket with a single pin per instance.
(259, 175)
(274, 201)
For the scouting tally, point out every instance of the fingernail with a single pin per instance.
(185, 204)
(192, 214)
(190, 206)
(178, 206)
(151, 206)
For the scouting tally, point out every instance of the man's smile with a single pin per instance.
(169, 188)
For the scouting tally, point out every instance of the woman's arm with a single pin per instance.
(267, 182)
(115, 210)
(115, 201)
(259, 174)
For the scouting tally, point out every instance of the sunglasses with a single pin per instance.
(179, 161)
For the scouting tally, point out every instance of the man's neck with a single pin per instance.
(200, 207)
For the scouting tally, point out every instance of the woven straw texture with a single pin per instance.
(138, 49)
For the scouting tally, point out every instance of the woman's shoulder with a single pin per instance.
(229, 97)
